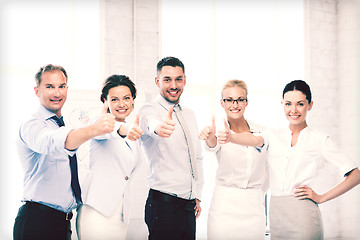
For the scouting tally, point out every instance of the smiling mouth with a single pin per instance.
(294, 116)
(235, 110)
(55, 101)
(121, 110)
(173, 93)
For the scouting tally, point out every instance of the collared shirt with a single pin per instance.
(240, 166)
(290, 167)
(169, 160)
(41, 147)
(113, 160)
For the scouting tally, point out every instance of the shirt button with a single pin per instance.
(126, 178)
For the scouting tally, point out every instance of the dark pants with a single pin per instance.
(37, 221)
(169, 217)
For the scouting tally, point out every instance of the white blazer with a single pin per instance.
(113, 160)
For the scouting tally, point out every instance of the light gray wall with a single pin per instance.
(332, 47)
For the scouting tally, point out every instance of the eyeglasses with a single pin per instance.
(232, 101)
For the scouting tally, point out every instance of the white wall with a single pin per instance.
(35, 33)
(332, 58)
(93, 40)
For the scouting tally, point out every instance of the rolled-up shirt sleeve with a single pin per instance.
(44, 137)
(335, 156)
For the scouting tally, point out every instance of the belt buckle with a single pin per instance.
(68, 216)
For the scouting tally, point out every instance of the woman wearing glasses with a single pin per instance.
(237, 208)
(113, 160)
(295, 156)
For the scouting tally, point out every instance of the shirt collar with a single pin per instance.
(165, 103)
(45, 113)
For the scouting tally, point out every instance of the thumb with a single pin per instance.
(136, 123)
(105, 107)
(213, 122)
(171, 109)
(226, 125)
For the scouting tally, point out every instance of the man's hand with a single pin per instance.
(197, 208)
(167, 127)
(105, 123)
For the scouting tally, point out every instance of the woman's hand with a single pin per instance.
(305, 192)
(223, 135)
(208, 134)
(135, 131)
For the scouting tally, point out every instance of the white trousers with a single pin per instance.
(92, 225)
(236, 214)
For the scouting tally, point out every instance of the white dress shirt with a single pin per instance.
(240, 166)
(113, 160)
(169, 160)
(41, 147)
(290, 167)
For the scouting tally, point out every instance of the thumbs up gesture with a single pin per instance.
(167, 127)
(223, 136)
(208, 134)
(105, 123)
(135, 131)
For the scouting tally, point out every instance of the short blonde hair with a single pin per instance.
(235, 83)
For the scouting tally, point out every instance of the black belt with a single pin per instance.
(164, 197)
(50, 210)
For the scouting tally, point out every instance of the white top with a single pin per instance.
(290, 167)
(240, 166)
(41, 148)
(113, 160)
(169, 160)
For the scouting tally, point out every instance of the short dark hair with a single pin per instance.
(169, 61)
(114, 81)
(48, 68)
(299, 85)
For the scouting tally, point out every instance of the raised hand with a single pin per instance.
(208, 134)
(208, 131)
(223, 136)
(105, 123)
(167, 127)
(135, 131)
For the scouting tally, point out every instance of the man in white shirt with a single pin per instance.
(174, 154)
(46, 150)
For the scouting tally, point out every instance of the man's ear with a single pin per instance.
(157, 81)
(36, 90)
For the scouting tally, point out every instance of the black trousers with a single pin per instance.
(169, 217)
(37, 221)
